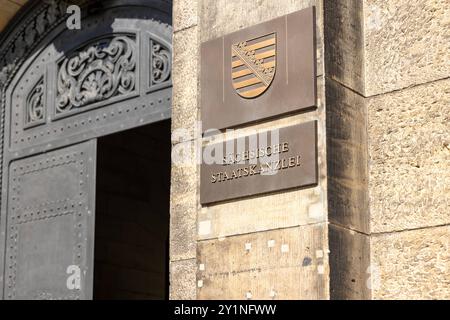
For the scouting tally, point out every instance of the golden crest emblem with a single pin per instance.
(253, 64)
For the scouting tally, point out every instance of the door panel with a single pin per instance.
(113, 74)
(50, 225)
(52, 101)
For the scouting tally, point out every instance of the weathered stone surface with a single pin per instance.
(185, 14)
(277, 210)
(219, 17)
(183, 226)
(183, 204)
(409, 148)
(185, 169)
(280, 264)
(412, 264)
(184, 197)
(185, 74)
(306, 208)
(350, 276)
(182, 280)
(347, 158)
(408, 135)
(407, 42)
(377, 46)
(344, 42)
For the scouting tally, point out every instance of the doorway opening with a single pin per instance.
(132, 214)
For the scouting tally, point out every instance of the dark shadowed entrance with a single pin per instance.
(132, 214)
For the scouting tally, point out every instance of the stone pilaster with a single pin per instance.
(388, 148)
(184, 183)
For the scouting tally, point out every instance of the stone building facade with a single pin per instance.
(376, 226)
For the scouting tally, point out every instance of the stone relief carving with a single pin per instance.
(161, 63)
(35, 109)
(98, 72)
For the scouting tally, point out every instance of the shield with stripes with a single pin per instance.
(253, 64)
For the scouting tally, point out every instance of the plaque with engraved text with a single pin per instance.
(264, 162)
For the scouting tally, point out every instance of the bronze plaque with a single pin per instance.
(265, 162)
(259, 72)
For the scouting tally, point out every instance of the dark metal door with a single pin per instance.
(59, 89)
(50, 225)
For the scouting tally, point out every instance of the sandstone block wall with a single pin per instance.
(280, 239)
(388, 149)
